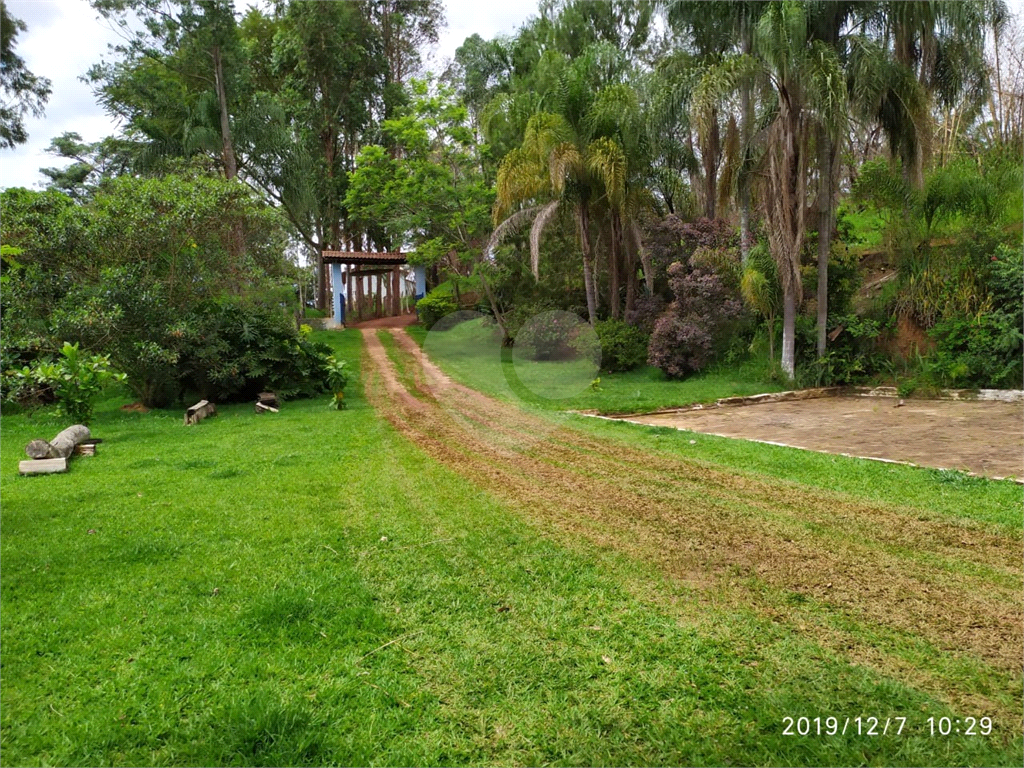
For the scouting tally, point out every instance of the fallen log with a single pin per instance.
(199, 411)
(61, 446)
(268, 398)
(261, 408)
(43, 466)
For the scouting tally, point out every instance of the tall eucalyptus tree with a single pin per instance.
(24, 92)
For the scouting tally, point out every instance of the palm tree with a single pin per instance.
(714, 30)
(556, 168)
(828, 21)
(803, 81)
(939, 46)
(573, 158)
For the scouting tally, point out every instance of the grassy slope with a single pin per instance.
(477, 364)
(223, 594)
(472, 355)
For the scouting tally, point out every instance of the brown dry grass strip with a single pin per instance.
(898, 526)
(706, 527)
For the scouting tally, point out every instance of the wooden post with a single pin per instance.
(396, 293)
(378, 307)
(359, 295)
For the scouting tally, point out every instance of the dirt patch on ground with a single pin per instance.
(398, 321)
(984, 438)
(735, 539)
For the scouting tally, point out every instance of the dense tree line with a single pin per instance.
(572, 164)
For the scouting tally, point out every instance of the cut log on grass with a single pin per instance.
(261, 408)
(268, 398)
(199, 411)
(61, 446)
(43, 466)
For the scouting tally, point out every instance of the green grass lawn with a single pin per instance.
(311, 588)
(471, 353)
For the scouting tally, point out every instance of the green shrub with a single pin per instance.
(554, 335)
(232, 349)
(983, 351)
(1006, 283)
(75, 379)
(126, 316)
(433, 307)
(851, 357)
(337, 379)
(623, 346)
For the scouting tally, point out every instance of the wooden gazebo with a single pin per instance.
(359, 290)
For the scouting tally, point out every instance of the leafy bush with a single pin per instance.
(708, 233)
(337, 379)
(623, 346)
(645, 313)
(851, 357)
(684, 336)
(670, 239)
(1006, 283)
(762, 292)
(233, 349)
(433, 307)
(127, 316)
(984, 351)
(75, 380)
(550, 335)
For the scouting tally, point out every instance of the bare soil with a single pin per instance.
(887, 575)
(397, 321)
(980, 437)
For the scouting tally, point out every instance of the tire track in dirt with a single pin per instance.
(712, 529)
(892, 527)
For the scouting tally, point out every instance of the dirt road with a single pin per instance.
(901, 573)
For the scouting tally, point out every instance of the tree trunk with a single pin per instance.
(61, 446)
(746, 124)
(350, 304)
(825, 224)
(613, 267)
(227, 147)
(709, 156)
(237, 237)
(789, 333)
(645, 259)
(588, 267)
(199, 411)
(359, 296)
(396, 288)
(498, 317)
(630, 277)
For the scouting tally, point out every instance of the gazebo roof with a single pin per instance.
(362, 257)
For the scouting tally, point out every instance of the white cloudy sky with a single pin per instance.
(65, 37)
